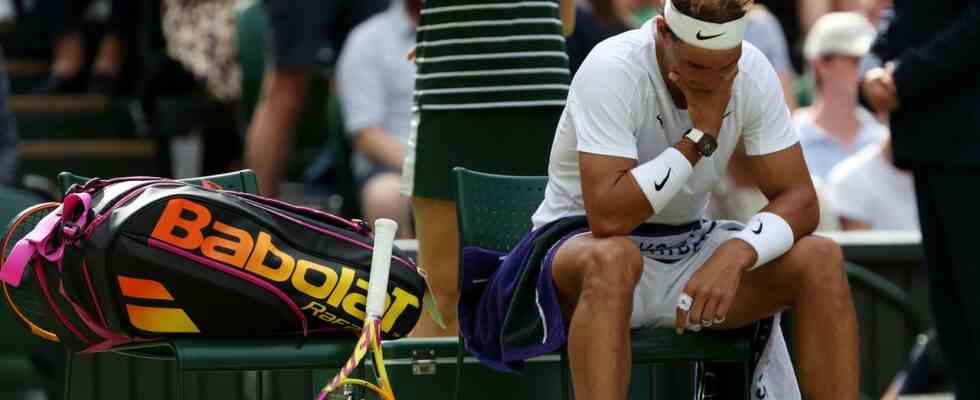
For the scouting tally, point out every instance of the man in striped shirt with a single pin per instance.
(491, 82)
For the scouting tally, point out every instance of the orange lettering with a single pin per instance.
(257, 263)
(172, 222)
(236, 251)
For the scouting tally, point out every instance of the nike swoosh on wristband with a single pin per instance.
(759, 230)
(703, 37)
(660, 185)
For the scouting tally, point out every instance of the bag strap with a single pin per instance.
(70, 217)
(308, 212)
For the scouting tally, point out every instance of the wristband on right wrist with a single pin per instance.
(769, 234)
(662, 177)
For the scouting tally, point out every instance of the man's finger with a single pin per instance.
(721, 313)
(697, 309)
(708, 316)
(684, 303)
(681, 322)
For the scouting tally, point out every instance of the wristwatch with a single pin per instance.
(706, 144)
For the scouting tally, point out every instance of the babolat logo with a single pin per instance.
(183, 224)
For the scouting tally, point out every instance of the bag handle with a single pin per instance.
(71, 216)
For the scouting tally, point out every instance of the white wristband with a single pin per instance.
(769, 235)
(662, 177)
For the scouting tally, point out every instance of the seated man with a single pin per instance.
(652, 118)
(376, 82)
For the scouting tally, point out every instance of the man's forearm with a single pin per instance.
(627, 204)
(794, 209)
(380, 147)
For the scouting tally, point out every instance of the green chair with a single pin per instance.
(494, 213)
(17, 371)
(236, 354)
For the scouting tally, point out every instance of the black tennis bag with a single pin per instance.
(139, 259)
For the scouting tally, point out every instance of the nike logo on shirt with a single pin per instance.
(759, 230)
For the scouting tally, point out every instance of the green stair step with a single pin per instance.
(72, 117)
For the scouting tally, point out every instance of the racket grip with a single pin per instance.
(384, 239)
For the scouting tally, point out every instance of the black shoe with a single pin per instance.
(56, 84)
(103, 84)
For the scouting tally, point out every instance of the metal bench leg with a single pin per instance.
(68, 372)
(460, 348)
(258, 385)
(565, 375)
(178, 380)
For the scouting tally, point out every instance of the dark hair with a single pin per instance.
(716, 11)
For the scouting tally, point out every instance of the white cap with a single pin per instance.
(844, 33)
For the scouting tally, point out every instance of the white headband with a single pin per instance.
(703, 34)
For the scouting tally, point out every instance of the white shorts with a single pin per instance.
(669, 263)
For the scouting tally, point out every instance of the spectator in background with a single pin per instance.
(375, 82)
(931, 89)
(8, 130)
(595, 20)
(298, 31)
(63, 19)
(836, 126)
(763, 31)
(869, 192)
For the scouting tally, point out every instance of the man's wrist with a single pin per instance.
(744, 254)
(689, 149)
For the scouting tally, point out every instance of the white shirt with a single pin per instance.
(822, 152)
(868, 188)
(615, 107)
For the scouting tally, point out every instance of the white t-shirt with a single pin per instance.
(868, 188)
(619, 105)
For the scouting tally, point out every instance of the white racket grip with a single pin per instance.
(384, 239)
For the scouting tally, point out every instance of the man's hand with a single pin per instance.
(410, 56)
(713, 287)
(879, 88)
(706, 106)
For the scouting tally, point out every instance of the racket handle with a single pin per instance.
(384, 240)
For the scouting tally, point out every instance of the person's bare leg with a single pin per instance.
(69, 54)
(438, 236)
(595, 280)
(380, 198)
(268, 143)
(109, 58)
(810, 279)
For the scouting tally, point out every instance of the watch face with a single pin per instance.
(707, 145)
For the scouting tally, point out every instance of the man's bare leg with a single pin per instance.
(595, 280)
(436, 230)
(811, 279)
(380, 198)
(270, 135)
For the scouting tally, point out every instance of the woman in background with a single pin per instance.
(490, 86)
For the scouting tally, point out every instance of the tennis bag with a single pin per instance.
(136, 259)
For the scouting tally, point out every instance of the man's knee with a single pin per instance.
(819, 266)
(382, 192)
(612, 268)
